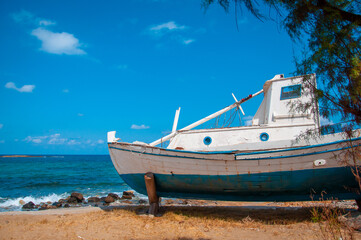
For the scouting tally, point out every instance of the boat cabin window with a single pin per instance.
(207, 140)
(264, 137)
(290, 92)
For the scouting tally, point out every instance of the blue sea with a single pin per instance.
(52, 177)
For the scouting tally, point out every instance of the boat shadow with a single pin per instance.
(263, 214)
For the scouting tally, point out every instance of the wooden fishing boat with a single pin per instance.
(260, 162)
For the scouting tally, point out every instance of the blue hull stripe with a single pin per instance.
(250, 153)
(257, 158)
(154, 154)
(183, 151)
(275, 186)
(298, 148)
(300, 155)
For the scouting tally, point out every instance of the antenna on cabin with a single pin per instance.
(175, 122)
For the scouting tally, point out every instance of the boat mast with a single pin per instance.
(203, 120)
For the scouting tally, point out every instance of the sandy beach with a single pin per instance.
(196, 220)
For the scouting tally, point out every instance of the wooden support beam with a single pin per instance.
(152, 193)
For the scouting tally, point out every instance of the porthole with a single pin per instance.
(264, 137)
(207, 140)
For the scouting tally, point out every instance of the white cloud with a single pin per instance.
(2, 141)
(188, 41)
(23, 17)
(325, 121)
(46, 23)
(35, 139)
(56, 139)
(138, 127)
(25, 88)
(80, 114)
(52, 139)
(169, 26)
(73, 142)
(65, 91)
(171, 30)
(1, 125)
(58, 43)
(51, 42)
(247, 120)
(165, 28)
(27, 17)
(94, 142)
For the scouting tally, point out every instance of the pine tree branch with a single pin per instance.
(330, 10)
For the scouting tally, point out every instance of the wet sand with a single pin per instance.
(193, 220)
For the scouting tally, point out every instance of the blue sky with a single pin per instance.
(72, 70)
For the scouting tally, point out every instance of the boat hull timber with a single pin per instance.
(299, 173)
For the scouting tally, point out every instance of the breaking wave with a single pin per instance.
(14, 204)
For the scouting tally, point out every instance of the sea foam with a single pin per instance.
(7, 204)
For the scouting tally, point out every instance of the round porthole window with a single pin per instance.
(264, 137)
(207, 140)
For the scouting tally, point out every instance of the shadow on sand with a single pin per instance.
(262, 214)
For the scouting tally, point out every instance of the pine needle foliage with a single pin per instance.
(331, 30)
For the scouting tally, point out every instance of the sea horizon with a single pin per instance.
(50, 177)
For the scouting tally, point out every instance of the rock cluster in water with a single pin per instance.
(77, 199)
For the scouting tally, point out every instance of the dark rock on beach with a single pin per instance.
(75, 198)
(57, 204)
(78, 196)
(128, 195)
(94, 200)
(109, 199)
(102, 199)
(113, 195)
(29, 205)
(46, 207)
(72, 200)
(43, 207)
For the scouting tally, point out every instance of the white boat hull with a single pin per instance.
(287, 174)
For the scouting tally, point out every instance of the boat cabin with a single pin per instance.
(274, 124)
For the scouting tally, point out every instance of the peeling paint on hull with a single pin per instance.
(290, 174)
(275, 186)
